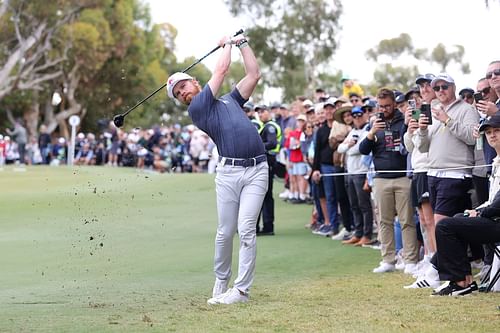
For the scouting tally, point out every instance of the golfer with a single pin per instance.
(242, 170)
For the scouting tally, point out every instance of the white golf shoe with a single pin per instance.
(231, 296)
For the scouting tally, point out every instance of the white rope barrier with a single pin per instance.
(401, 171)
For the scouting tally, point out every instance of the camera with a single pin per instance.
(425, 109)
(478, 96)
(412, 103)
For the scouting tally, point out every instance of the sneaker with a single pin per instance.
(453, 289)
(231, 296)
(423, 282)
(422, 266)
(340, 235)
(220, 287)
(373, 245)
(410, 269)
(348, 236)
(284, 194)
(428, 280)
(325, 230)
(473, 286)
(384, 268)
(400, 265)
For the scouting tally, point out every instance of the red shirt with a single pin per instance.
(292, 142)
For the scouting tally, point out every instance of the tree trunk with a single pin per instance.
(31, 118)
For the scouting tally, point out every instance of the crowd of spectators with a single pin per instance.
(161, 148)
(383, 171)
(380, 171)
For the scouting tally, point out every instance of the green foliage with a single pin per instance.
(402, 77)
(291, 39)
(395, 77)
(392, 47)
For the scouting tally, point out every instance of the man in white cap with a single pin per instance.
(242, 171)
(449, 141)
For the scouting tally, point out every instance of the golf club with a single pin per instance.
(119, 119)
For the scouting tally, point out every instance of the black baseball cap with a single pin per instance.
(494, 122)
(466, 90)
(413, 90)
(260, 107)
(399, 97)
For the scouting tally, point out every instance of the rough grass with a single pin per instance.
(116, 250)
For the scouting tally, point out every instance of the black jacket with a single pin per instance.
(323, 154)
(493, 210)
(382, 159)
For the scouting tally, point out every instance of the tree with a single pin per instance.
(291, 39)
(27, 34)
(388, 51)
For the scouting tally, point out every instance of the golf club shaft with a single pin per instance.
(239, 32)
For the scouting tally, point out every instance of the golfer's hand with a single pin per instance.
(226, 40)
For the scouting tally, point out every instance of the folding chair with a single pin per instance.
(493, 279)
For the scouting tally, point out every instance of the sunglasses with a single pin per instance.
(485, 91)
(489, 75)
(357, 115)
(467, 96)
(354, 100)
(441, 87)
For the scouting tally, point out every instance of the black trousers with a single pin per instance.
(267, 211)
(343, 200)
(453, 235)
(360, 205)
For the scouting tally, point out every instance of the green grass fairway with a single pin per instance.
(119, 250)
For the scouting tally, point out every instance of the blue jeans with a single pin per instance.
(316, 197)
(330, 194)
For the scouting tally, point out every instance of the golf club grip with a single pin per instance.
(239, 32)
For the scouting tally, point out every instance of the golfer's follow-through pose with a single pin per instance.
(242, 171)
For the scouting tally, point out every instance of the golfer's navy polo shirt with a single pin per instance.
(226, 123)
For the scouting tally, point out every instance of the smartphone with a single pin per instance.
(380, 115)
(478, 96)
(415, 114)
(355, 137)
(425, 109)
(412, 103)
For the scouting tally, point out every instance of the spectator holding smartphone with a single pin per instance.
(391, 189)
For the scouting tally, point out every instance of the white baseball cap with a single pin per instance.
(442, 77)
(174, 79)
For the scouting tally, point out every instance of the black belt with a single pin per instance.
(243, 162)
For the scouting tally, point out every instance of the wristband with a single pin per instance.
(241, 43)
(446, 122)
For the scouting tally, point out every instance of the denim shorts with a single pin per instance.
(299, 169)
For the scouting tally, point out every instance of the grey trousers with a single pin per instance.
(240, 193)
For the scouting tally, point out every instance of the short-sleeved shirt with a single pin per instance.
(226, 123)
